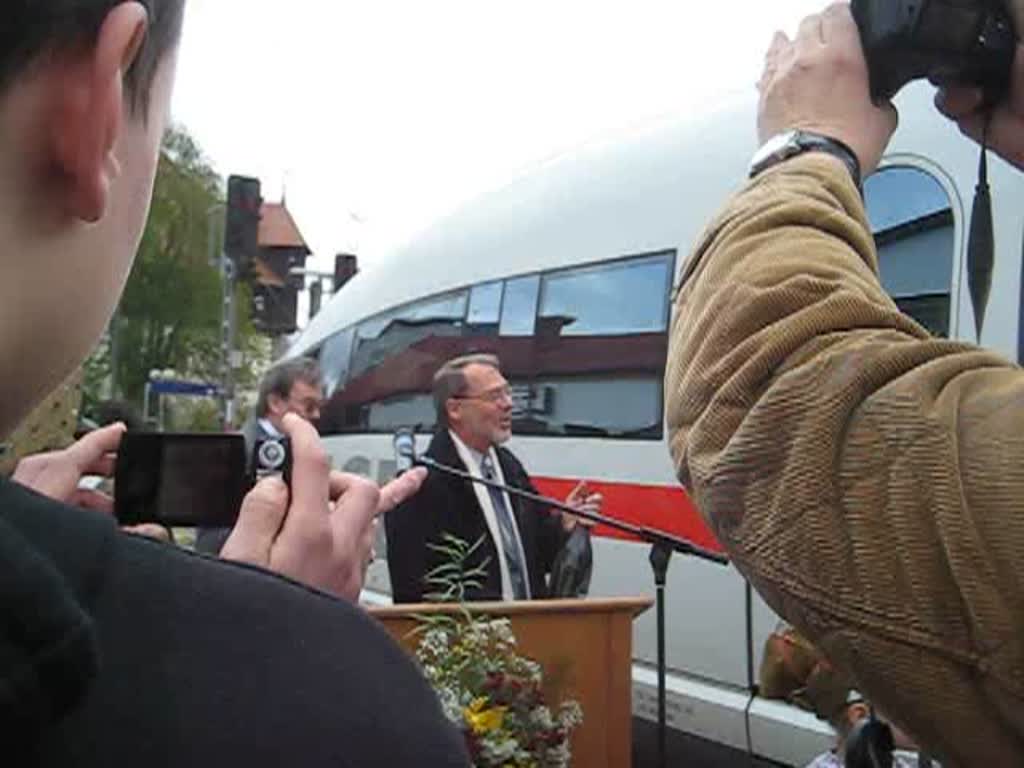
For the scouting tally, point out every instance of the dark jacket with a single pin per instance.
(447, 504)
(117, 650)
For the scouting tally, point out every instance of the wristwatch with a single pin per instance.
(792, 143)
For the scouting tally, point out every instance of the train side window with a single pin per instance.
(608, 300)
(519, 309)
(912, 220)
(393, 359)
(484, 305)
(380, 339)
(334, 359)
(601, 338)
(612, 351)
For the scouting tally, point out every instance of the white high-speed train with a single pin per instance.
(567, 273)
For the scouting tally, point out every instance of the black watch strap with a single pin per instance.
(836, 148)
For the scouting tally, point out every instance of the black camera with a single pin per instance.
(273, 456)
(191, 479)
(180, 479)
(964, 42)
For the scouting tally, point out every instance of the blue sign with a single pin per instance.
(178, 387)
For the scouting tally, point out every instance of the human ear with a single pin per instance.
(89, 110)
(451, 408)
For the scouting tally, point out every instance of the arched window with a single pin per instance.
(912, 220)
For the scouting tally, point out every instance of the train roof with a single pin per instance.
(599, 197)
(650, 189)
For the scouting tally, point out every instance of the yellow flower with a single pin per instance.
(483, 720)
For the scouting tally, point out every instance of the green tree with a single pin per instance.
(170, 313)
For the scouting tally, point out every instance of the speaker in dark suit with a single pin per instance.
(519, 539)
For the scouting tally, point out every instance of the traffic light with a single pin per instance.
(242, 223)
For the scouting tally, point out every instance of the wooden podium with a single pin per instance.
(586, 650)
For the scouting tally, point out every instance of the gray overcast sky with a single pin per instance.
(381, 115)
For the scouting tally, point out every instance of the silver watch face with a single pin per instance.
(773, 147)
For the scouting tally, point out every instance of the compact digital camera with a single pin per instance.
(968, 42)
(191, 480)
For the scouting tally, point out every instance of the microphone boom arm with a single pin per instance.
(645, 533)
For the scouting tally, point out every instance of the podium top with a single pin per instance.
(632, 605)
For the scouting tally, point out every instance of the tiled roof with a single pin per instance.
(278, 229)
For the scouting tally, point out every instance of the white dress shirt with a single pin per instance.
(472, 459)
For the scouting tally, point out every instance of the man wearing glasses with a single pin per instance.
(293, 386)
(518, 540)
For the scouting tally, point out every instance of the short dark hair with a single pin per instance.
(32, 29)
(450, 380)
(280, 379)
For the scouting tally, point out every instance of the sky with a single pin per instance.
(376, 117)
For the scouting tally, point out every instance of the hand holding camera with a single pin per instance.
(58, 474)
(963, 105)
(819, 83)
(837, 76)
(300, 519)
(321, 532)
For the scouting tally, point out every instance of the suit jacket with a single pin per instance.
(447, 504)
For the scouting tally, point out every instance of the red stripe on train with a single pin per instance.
(656, 506)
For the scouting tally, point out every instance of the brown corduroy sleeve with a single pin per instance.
(866, 478)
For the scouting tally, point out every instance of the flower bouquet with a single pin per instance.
(492, 694)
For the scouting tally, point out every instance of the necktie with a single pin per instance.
(516, 567)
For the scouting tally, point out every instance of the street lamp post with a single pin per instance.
(228, 334)
(229, 355)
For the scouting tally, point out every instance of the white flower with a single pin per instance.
(540, 717)
(533, 670)
(450, 705)
(502, 631)
(499, 752)
(557, 756)
(570, 714)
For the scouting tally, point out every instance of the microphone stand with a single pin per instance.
(662, 546)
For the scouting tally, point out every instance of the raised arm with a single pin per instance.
(865, 477)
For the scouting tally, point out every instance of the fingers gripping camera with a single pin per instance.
(966, 42)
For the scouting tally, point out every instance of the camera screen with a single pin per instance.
(182, 480)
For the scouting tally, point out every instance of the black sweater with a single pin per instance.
(116, 650)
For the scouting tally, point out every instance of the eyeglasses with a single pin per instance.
(493, 396)
(307, 404)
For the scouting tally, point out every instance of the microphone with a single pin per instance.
(405, 450)
(405, 459)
